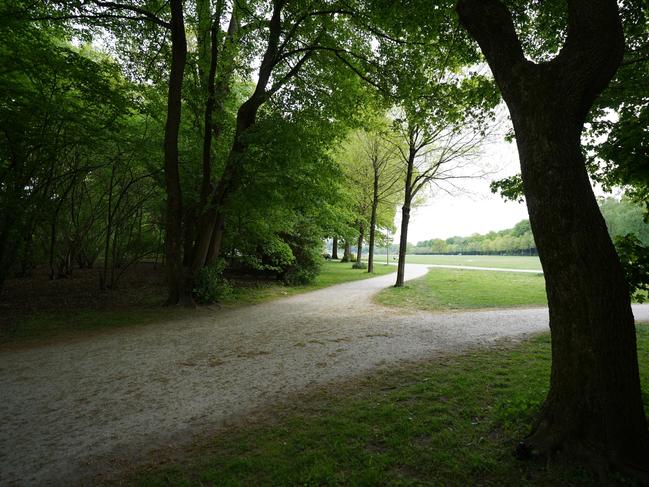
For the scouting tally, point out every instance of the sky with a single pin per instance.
(475, 210)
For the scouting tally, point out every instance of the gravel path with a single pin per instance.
(68, 410)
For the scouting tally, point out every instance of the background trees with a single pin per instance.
(74, 144)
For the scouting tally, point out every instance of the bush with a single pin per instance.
(306, 245)
(210, 286)
(359, 265)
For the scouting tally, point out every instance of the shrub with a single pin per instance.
(359, 265)
(210, 286)
(306, 246)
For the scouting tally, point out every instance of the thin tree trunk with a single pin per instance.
(403, 244)
(216, 243)
(405, 218)
(189, 231)
(176, 273)
(375, 205)
(594, 406)
(361, 236)
(334, 248)
(207, 215)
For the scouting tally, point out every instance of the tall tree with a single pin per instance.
(594, 407)
(431, 155)
(177, 274)
(386, 174)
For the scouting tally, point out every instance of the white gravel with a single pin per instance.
(69, 409)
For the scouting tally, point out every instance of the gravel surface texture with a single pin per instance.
(71, 410)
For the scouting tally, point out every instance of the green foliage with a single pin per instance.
(624, 216)
(513, 241)
(75, 156)
(359, 265)
(210, 286)
(634, 257)
(510, 188)
(306, 246)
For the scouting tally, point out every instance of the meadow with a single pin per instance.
(497, 261)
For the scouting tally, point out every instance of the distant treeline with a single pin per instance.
(513, 241)
(622, 217)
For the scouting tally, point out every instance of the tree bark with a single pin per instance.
(217, 240)
(594, 406)
(403, 244)
(375, 205)
(359, 247)
(405, 217)
(346, 252)
(246, 118)
(334, 248)
(178, 289)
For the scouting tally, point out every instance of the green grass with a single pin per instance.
(451, 421)
(74, 323)
(331, 273)
(447, 289)
(504, 262)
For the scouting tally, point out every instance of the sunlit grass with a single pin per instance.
(447, 289)
(503, 262)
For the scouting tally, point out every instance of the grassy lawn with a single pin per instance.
(446, 289)
(504, 262)
(450, 421)
(332, 272)
(79, 322)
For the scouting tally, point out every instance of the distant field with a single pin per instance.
(505, 262)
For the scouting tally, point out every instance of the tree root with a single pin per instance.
(543, 443)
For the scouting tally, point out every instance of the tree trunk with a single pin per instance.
(347, 252)
(189, 232)
(405, 216)
(334, 248)
(208, 238)
(216, 242)
(246, 118)
(178, 289)
(359, 247)
(403, 244)
(594, 406)
(375, 205)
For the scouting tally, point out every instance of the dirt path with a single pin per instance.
(68, 410)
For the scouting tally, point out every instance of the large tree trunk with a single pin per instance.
(334, 248)
(594, 406)
(179, 291)
(375, 205)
